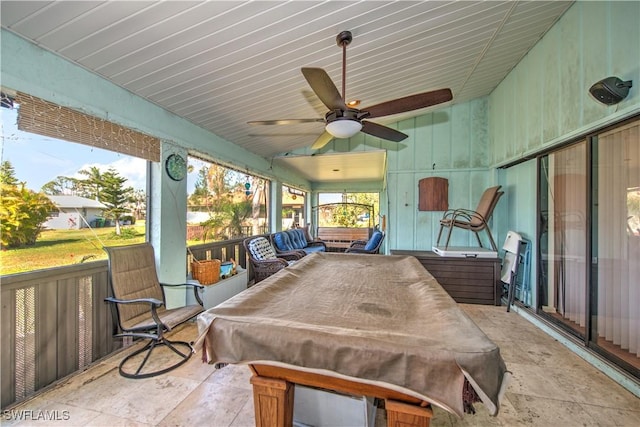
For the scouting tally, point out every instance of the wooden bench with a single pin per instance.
(338, 239)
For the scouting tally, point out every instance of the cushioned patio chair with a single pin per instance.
(295, 240)
(371, 246)
(263, 258)
(139, 307)
(475, 221)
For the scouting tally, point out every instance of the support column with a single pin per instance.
(275, 206)
(167, 225)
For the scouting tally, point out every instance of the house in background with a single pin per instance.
(74, 213)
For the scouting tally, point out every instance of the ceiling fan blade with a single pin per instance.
(383, 132)
(409, 103)
(324, 87)
(284, 121)
(322, 140)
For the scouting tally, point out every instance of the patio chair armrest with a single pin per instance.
(357, 250)
(317, 242)
(152, 301)
(277, 261)
(189, 283)
(292, 255)
(468, 215)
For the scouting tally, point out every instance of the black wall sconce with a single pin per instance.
(610, 90)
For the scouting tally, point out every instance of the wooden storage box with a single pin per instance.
(467, 280)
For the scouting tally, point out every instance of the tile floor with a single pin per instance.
(550, 387)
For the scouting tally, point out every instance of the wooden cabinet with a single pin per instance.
(467, 280)
(433, 194)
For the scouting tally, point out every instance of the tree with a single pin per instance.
(114, 195)
(92, 186)
(60, 185)
(8, 173)
(22, 211)
(356, 210)
(201, 191)
(220, 192)
(139, 204)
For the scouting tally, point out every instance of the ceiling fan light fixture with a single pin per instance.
(344, 128)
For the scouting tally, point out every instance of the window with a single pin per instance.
(293, 202)
(223, 203)
(348, 210)
(97, 196)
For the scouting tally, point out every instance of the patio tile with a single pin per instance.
(207, 405)
(538, 411)
(550, 386)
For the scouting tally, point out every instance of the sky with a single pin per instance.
(37, 160)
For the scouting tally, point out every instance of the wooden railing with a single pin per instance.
(55, 322)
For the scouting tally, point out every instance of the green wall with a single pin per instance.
(451, 143)
(544, 101)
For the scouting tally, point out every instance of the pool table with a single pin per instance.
(372, 325)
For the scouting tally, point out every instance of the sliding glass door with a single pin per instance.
(589, 281)
(563, 239)
(616, 242)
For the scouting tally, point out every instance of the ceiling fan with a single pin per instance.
(343, 121)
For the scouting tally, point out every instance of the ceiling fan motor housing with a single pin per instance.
(343, 123)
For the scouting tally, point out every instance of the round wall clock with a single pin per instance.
(176, 167)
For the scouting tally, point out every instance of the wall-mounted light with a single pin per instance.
(610, 90)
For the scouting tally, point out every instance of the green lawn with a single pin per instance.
(55, 248)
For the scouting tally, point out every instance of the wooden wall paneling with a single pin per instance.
(461, 139)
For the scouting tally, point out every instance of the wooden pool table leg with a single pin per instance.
(273, 401)
(403, 414)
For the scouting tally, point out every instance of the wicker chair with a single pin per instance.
(138, 304)
(371, 246)
(475, 221)
(263, 258)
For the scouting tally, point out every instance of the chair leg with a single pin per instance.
(478, 239)
(446, 245)
(493, 243)
(439, 235)
(511, 292)
(148, 348)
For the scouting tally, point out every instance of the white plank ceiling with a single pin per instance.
(220, 64)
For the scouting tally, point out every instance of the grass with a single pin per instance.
(56, 248)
